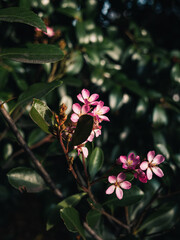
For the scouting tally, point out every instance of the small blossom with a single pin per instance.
(79, 111)
(82, 149)
(85, 97)
(99, 111)
(117, 184)
(50, 32)
(129, 162)
(140, 175)
(151, 165)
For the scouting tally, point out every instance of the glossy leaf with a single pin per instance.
(175, 73)
(74, 63)
(159, 117)
(130, 197)
(93, 217)
(41, 115)
(96, 161)
(34, 54)
(162, 219)
(36, 90)
(26, 179)
(82, 131)
(53, 214)
(22, 15)
(71, 12)
(72, 221)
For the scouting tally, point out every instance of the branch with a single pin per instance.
(24, 145)
(91, 231)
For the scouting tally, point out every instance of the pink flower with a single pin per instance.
(151, 165)
(117, 185)
(79, 111)
(99, 111)
(129, 162)
(85, 97)
(82, 149)
(140, 175)
(49, 33)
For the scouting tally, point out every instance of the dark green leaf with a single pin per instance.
(160, 220)
(96, 161)
(35, 136)
(27, 179)
(93, 217)
(130, 196)
(159, 117)
(34, 53)
(41, 115)
(82, 131)
(74, 63)
(71, 12)
(36, 90)
(53, 215)
(175, 73)
(22, 15)
(72, 221)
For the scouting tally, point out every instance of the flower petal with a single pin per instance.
(80, 98)
(112, 179)
(104, 110)
(149, 174)
(110, 189)
(158, 159)
(104, 118)
(122, 159)
(119, 193)
(76, 108)
(121, 177)
(93, 97)
(74, 117)
(125, 185)
(85, 93)
(150, 155)
(157, 171)
(85, 151)
(144, 165)
(85, 109)
(131, 156)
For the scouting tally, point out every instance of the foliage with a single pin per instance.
(52, 51)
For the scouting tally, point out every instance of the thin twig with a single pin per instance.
(36, 145)
(24, 145)
(91, 231)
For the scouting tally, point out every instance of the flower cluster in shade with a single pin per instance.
(142, 170)
(90, 106)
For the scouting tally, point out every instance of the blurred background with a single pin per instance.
(126, 51)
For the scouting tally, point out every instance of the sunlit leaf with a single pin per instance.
(26, 179)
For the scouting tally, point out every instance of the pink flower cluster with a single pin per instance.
(133, 164)
(92, 107)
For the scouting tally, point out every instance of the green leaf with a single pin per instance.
(96, 161)
(72, 221)
(93, 217)
(35, 136)
(71, 12)
(36, 90)
(162, 219)
(74, 63)
(82, 131)
(34, 53)
(42, 115)
(22, 15)
(53, 214)
(130, 196)
(23, 178)
(175, 73)
(159, 117)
